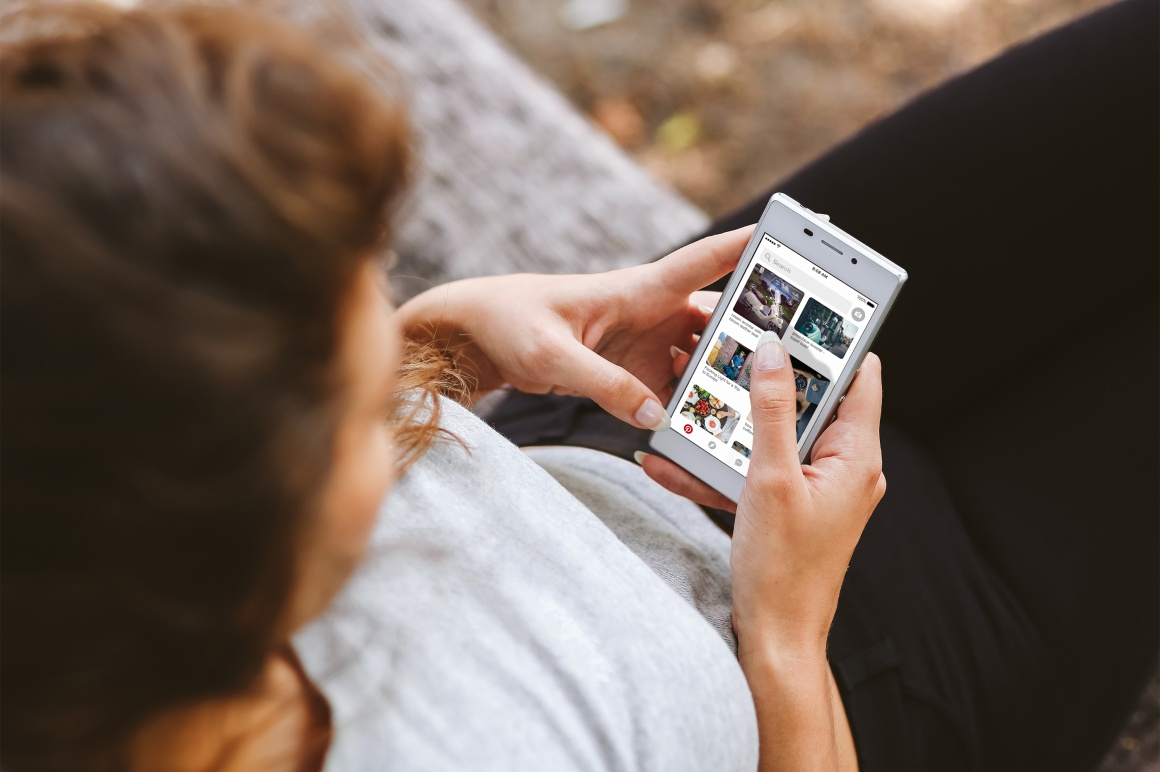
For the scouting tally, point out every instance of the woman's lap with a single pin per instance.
(938, 665)
(1002, 600)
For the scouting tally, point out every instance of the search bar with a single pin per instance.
(827, 298)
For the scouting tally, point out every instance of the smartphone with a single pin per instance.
(824, 293)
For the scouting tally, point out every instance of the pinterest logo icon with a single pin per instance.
(688, 428)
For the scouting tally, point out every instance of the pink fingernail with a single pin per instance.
(770, 353)
(652, 414)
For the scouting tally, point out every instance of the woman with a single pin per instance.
(207, 392)
(199, 364)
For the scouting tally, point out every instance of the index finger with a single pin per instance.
(703, 262)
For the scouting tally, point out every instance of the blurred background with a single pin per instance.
(722, 98)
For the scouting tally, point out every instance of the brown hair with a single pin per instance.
(185, 197)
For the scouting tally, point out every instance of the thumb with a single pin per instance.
(612, 387)
(773, 400)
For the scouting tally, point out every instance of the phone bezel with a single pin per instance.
(873, 276)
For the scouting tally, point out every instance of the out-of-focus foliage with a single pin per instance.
(723, 97)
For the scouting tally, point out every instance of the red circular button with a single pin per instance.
(688, 428)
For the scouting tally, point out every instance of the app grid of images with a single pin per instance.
(770, 303)
(732, 360)
(826, 328)
(811, 387)
(710, 413)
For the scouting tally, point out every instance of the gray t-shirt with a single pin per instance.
(561, 613)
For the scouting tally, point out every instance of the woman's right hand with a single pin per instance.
(795, 531)
(796, 525)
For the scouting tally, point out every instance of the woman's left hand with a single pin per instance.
(606, 336)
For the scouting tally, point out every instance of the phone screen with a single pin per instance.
(818, 318)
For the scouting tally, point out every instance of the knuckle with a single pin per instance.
(539, 355)
(872, 475)
(614, 381)
(768, 482)
(724, 253)
(880, 488)
(773, 402)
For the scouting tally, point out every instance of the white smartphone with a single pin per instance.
(824, 293)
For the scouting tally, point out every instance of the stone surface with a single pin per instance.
(510, 177)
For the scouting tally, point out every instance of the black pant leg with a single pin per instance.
(939, 666)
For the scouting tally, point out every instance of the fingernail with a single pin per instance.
(770, 353)
(705, 310)
(674, 352)
(639, 456)
(652, 414)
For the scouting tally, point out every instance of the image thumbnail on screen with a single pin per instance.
(732, 360)
(737, 446)
(768, 301)
(711, 414)
(811, 387)
(826, 328)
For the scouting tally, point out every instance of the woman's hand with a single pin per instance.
(795, 532)
(796, 525)
(605, 336)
